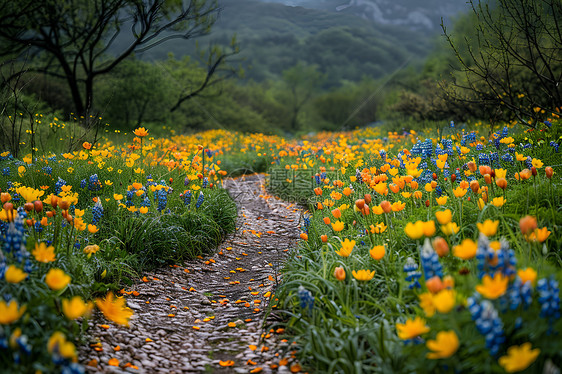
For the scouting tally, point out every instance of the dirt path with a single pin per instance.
(191, 317)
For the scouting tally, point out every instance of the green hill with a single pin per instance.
(274, 37)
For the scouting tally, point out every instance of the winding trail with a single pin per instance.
(189, 317)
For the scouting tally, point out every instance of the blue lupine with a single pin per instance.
(130, 196)
(162, 199)
(306, 298)
(488, 323)
(529, 162)
(412, 273)
(382, 153)
(15, 239)
(97, 212)
(205, 182)
(83, 183)
(430, 261)
(145, 202)
(491, 261)
(47, 169)
(483, 159)
(549, 298)
(200, 200)
(520, 293)
(93, 183)
(187, 197)
(6, 172)
(58, 185)
(507, 158)
(306, 220)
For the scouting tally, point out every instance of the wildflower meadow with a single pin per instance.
(417, 252)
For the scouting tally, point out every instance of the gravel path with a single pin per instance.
(196, 316)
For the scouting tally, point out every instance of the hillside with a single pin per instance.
(274, 37)
(413, 14)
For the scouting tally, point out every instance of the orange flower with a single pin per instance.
(141, 132)
(466, 250)
(339, 273)
(527, 224)
(87, 145)
(492, 288)
(377, 252)
(336, 213)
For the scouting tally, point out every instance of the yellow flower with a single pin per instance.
(115, 309)
(91, 249)
(492, 288)
(58, 344)
(429, 228)
(398, 206)
(426, 303)
(10, 313)
(79, 212)
(377, 252)
(75, 307)
(379, 228)
(428, 187)
(466, 250)
(412, 328)
(498, 201)
(445, 345)
(108, 183)
(539, 235)
(346, 248)
(500, 173)
(93, 229)
(363, 275)
(481, 203)
(520, 157)
(337, 226)
(450, 228)
(537, 163)
(70, 170)
(459, 192)
(414, 230)
(21, 170)
(14, 274)
(441, 200)
(488, 227)
(57, 279)
(527, 275)
(519, 357)
(42, 253)
(143, 209)
(444, 216)
(444, 301)
(117, 196)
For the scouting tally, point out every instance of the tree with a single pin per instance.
(515, 62)
(77, 40)
(301, 81)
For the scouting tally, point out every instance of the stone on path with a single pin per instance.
(193, 317)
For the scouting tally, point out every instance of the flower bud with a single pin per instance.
(339, 273)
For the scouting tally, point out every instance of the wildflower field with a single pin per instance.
(419, 252)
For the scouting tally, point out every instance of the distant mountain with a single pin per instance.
(273, 37)
(413, 14)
